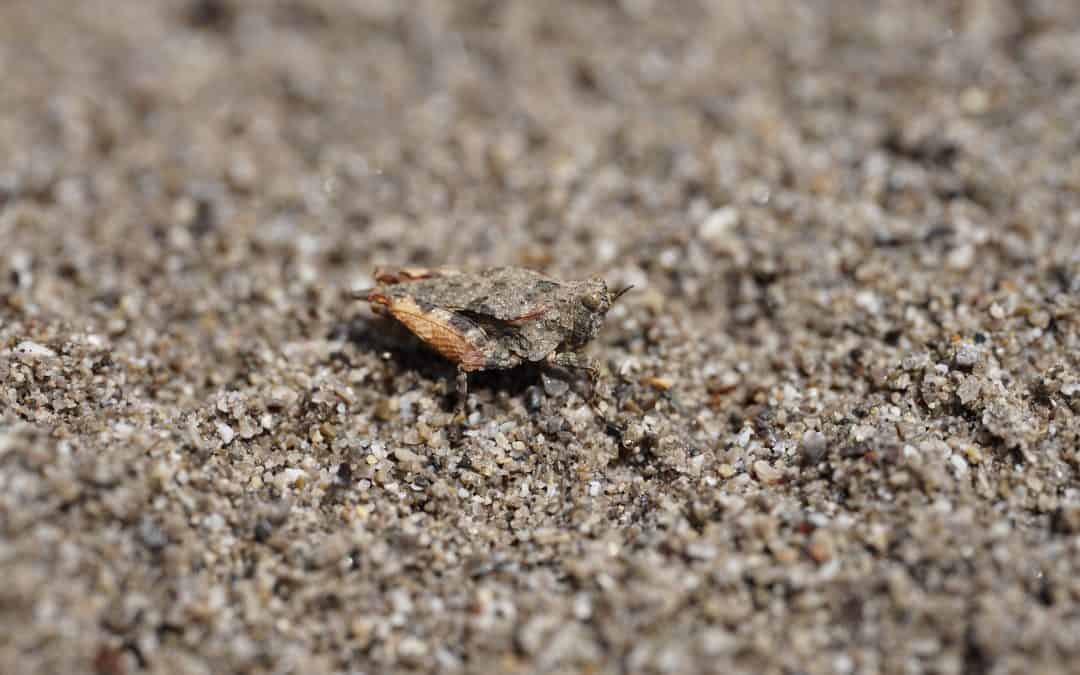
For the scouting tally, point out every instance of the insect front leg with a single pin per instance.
(577, 361)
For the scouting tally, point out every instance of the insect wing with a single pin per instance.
(440, 329)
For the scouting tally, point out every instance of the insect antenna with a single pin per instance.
(621, 292)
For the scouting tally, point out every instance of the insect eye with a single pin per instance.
(592, 301)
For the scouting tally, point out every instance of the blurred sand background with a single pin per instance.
(839, 425)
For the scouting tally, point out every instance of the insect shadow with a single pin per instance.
(382, 335)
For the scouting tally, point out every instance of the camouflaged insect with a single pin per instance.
(496, 318)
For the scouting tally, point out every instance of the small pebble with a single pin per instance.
(242, 172)
(961, 258)
(969, 389)
(292, 477)
(32, 350)
(151, 535)
(263, 530)
(813, 447)
(766, 473)
(534, 398)
(554, 387)
(225, 432)
(719, 224)
(966, 356)
(659, 383)
(281, 397)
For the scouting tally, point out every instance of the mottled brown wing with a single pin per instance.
(434, 328)
(507, 294)
(516, 296)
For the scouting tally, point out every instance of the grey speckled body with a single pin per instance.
(498, 317)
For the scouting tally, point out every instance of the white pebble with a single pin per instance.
(226, 432)
(744, 437)
(606, 251)
(411, 649)
(282, 396)
(961, 258)
(868, 300)
(861, 432)
(719, 223)
(289, 476)
(34, 350)
(669, 258)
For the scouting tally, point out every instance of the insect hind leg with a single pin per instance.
(462, 390)
(486, 354)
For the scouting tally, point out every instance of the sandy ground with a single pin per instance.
(838, 426)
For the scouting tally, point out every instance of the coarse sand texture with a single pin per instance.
(836, 427)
